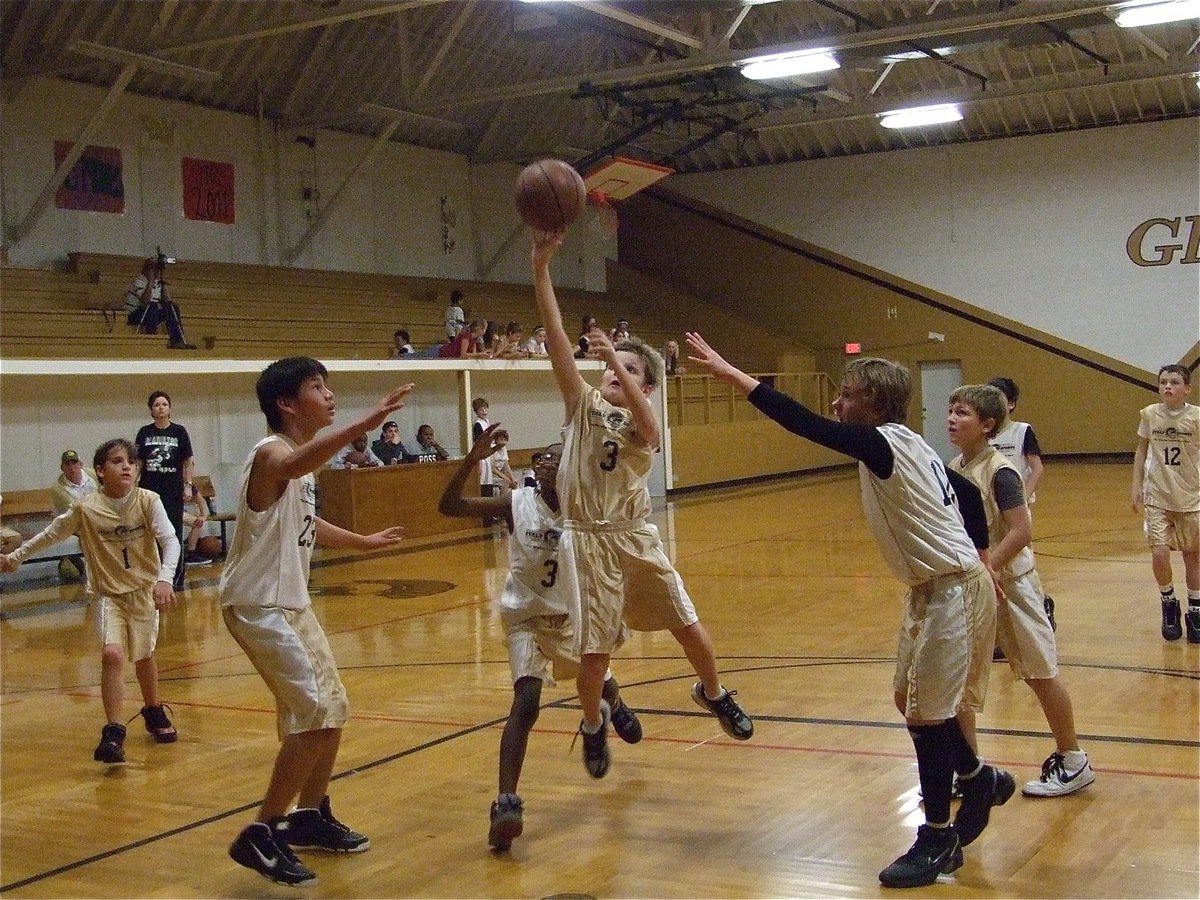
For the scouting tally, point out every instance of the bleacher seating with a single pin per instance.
(242, 311)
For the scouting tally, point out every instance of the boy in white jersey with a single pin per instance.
(265, 604)
(1166, 489)
(1020, 447)
(930, 526)
(616, 557)
(120, 528)
(535, 609)
(1023, 630)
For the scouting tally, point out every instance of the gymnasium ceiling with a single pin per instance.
(504, 80)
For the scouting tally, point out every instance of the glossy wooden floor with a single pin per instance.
(803, 616)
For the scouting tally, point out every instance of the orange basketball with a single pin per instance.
(550, 195)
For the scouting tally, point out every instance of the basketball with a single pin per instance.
(550, 195)
(209, 546)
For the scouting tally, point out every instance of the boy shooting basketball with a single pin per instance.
(535, 610)
(265, 604)
(615, 556)
(930, 526)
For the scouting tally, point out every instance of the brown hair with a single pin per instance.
(888, 383)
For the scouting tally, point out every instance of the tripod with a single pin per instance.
(165, 311)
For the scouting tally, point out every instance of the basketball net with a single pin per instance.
(603, 217)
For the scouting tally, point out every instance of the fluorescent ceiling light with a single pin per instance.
(916, 54)
(781, 65)
(1158, 13)
(917, 116)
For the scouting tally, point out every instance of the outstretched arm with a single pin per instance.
(330, 535)
(453, 503)
(562, 351)
(56, 532)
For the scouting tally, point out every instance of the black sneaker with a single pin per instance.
(937, 851)
(256, 848)
(158, 724)
(109, 750)
(317, 829)
(506, 821)
(1048, 604)
(1192, 620)
(998, 654)
(989, 787)
(625, 723)
(1172, 630)
(596, 756)
(735, 722)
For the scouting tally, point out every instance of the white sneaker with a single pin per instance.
(1057, 781)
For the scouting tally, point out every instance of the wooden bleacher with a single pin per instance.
(242, 311)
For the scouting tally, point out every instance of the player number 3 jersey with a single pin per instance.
(605, 466)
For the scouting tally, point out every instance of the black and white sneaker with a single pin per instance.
(1048, 605)
(987, 788)
(506, 822)
(317, 829)
(110, 749)
(1056, 780)
(733, 719)
(257, 849)
(1192, 620)
(1172, 630)
(625, 722)
(596, 755)
(936, 852)
(158, 724)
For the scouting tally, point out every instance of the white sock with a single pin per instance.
(1074, 760)
(1167, 591)
(720, 693)
(1193, 597)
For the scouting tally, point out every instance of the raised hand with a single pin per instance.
(600, 346)
(485, 445)
(708, 358)
(545, 245)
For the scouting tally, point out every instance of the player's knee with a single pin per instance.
(527, 695)
(112, 655)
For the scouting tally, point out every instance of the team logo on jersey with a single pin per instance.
(1173, 433)
(122, 532)
(546, 539)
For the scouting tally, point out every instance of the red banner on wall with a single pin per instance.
(94, 182)
(208, 191)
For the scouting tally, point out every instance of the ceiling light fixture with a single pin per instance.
(1157, 13)
(917, 116)
(782, 65)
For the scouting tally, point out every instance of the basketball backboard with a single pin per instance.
(620, 177)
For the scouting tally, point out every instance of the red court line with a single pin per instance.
(690, 742)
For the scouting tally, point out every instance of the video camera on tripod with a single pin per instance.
(161, 261)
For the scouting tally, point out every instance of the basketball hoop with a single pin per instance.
(617, 179)
(603, 220)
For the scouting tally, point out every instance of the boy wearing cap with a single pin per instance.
(72, 486)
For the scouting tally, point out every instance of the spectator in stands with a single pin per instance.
(589, 322)
(147, 305)
(165, 451)
(620, 332)
(427, 444)
(502, 473)
(355, 455)
(671, 359)
(456, 319)
(195, 515)
(464, 345)
(536, 345)
(401, 345)
(511, 344)
(490, 340)
(388, 448)
(10, 540)
(72, 486)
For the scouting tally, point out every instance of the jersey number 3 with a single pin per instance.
(610, 461)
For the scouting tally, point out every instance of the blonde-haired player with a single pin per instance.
(1166, 489)
(619, 563)
(120, 528)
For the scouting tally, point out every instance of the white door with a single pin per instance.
(939, 378)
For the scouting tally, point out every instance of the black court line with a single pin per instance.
(571, 703)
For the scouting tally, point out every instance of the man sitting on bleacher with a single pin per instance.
(72, 486)
(147, 304)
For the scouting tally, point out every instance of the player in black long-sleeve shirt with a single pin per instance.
(931, 528)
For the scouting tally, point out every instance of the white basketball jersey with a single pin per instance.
(605, 467)
(1173, 457)
(271, 550)
(1010, 441)
(914, 514)
(535, 584)
(982, 472)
